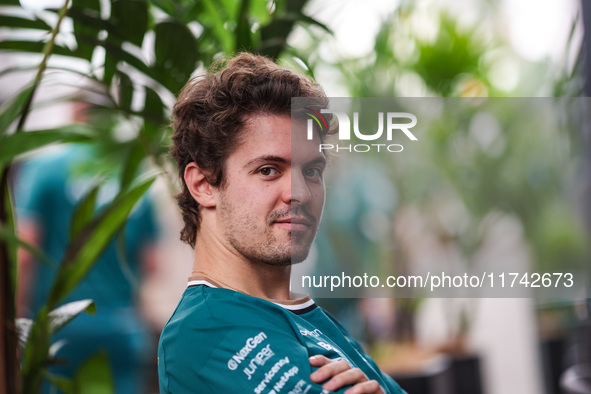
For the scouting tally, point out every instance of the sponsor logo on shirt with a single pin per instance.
(299, 387)
(250, 345)
(269, 375)
(259, 360)
(284, 379)
(316, 333)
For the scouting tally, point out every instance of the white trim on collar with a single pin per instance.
(296, 307)
(201, 282)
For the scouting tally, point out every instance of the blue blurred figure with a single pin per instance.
(47, 189)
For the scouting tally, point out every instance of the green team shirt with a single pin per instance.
(222, 341)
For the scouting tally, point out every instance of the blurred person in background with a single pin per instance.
(47, 190)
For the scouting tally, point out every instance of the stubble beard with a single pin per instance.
(268, 249)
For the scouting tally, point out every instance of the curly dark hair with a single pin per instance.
(210, 113)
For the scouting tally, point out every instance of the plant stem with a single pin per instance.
(9, 370)
(47, 51)
(8, 342)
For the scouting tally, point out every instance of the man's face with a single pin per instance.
(271, 201)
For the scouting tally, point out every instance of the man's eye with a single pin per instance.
(313, 172)
(267, 171)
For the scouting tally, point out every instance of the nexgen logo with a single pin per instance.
(392, 124)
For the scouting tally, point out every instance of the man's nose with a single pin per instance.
(297, 189)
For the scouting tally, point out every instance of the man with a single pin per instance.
(251, 203)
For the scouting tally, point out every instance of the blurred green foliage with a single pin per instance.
(507, 158)
(524, 169)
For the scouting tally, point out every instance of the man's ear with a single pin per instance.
(198, 186)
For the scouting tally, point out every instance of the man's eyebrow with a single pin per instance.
(266, 159)
(318, 160)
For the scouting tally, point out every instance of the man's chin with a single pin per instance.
(287, 260)
(299, 254)
(286, 253)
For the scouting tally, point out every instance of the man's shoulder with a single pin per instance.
(216, 329)
(203, 308)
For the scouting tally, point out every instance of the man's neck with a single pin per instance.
(232, 270)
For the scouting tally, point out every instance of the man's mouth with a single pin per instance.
(295, 223)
